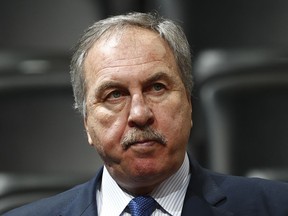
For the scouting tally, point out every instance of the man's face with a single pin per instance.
(138, 112)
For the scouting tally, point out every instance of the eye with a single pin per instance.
(115, 94)
(158, 86)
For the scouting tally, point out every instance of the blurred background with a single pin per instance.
(240, 100)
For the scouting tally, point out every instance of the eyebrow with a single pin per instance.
(115, 84)
(107, 85)
(157, 76)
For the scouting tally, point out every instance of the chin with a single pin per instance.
(150, 172)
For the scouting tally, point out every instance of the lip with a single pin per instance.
(144, 143)
(144, 147)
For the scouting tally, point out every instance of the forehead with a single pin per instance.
(130, 37)
(131, 45)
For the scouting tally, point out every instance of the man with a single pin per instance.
(132, 83)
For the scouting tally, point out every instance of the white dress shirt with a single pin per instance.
(170, 194)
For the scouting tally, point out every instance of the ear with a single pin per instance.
(191, 122)
(191, 107)
(88, 133)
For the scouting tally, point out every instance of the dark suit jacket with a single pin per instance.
(208, 194)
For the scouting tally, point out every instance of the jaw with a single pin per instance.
(142, 184)
(144, 174)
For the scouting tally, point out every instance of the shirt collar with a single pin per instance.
(174, 188)
(111, 194)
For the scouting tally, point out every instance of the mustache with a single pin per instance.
(142, 134)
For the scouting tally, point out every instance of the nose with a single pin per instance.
(140, 114)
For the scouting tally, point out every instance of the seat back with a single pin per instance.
(244, 95)
(40, 132)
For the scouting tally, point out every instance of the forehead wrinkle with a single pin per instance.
(110, 63)
(129, 64)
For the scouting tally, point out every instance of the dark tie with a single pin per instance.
(142, 206)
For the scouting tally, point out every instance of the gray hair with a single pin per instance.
(167, 29)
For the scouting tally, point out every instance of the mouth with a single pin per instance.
(144, 148)
(143, 143)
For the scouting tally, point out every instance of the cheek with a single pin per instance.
(105, 129)
(174, 118)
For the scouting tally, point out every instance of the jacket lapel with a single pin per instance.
(85, 203)
(203, 195)
(195, 205)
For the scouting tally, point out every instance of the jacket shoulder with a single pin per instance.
(79, 200)
(48, 206)
(261, 196)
